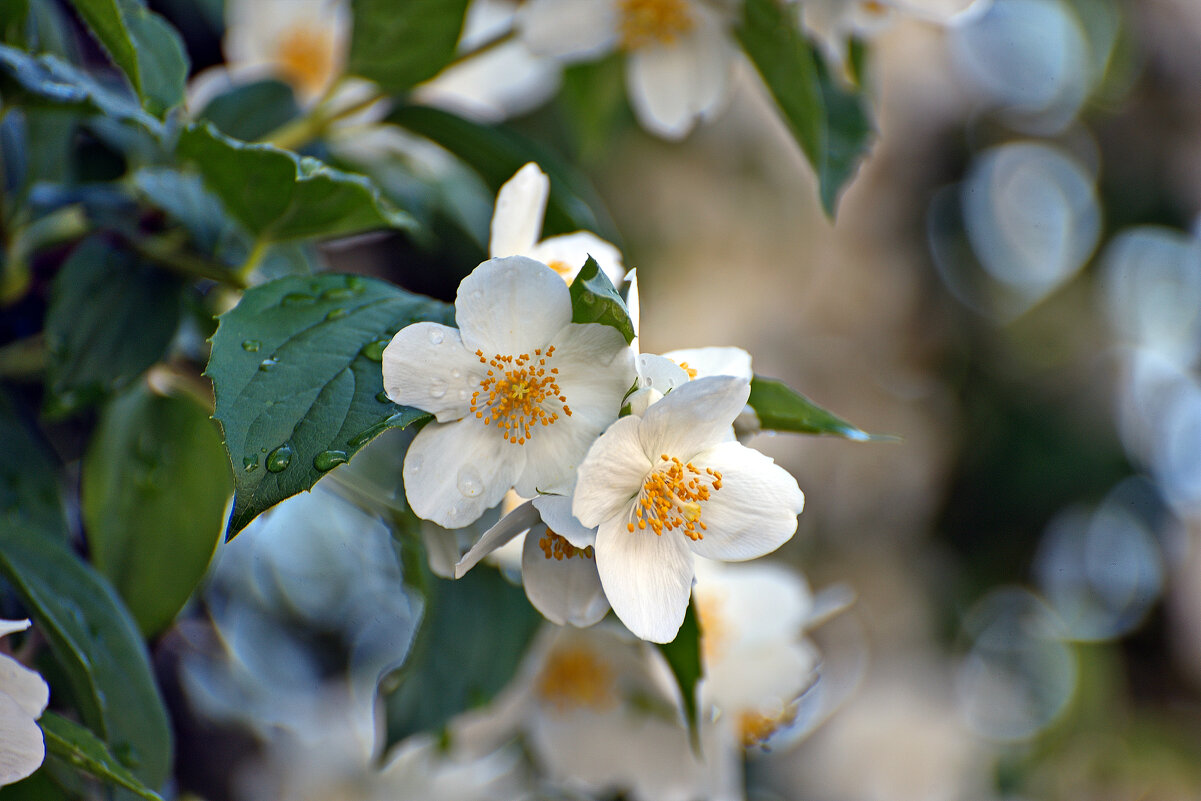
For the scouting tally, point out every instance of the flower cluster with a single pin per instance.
(525, 399)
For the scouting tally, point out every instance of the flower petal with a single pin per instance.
(25, 686)
(693, 417)
(578, 31)
(426, 366)
(517, 218)
(22, 749)
(566, 255)
(556, 513)
(610, 475)
(510, 306)
(660, 372)
(563, 590)
(453, 472)
(12, 626)
(755, 602)
(647, 578)
(756, 508)
(715, 361)
(512, 524)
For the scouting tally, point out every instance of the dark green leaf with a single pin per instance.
(278, 195)
(155, 485)
(86, 752)
(781, 408)
(593, 96)
(184, 198)
(400, 44)
(497, 153)
(14, 15)
(143, 45)
(595, 300)
(683, 655)
(29, 489)
(38, 787)
(97, 644)
(110, 317)
(253, 110)
(296, 370)
(475, 633)
(829, 123)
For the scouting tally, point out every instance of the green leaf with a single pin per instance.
(13, 20)
(400, 44)
(253, 110)
(497, 153)
(683, 655)
(278, 195)
(110, 317)
(86, 752)
(296, 371)
(49, 80)
(593, 97)
(143, 45)
(781, 408)
(829, 123)
(29, 489)
(97, 644)
(474, 635)
(595, 300)
(155, 485)
(184, 198)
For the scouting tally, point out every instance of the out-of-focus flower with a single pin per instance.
(679, 53)
(23, 698)
(517, 224)
(519, 391)
(671, 483)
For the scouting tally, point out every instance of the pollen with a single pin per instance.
(305, 54)
(557, 547)
(690, 370)
(672, 496)
(649, 22)
(519, 393)
(756, 728)
(561, 267)
(575, 678)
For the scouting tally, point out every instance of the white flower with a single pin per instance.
(680, 53)
(671, 483)
(301, 42)
(517, 224)
(23, 698)
(519, 391)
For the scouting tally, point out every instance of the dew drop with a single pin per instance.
(279, 459)
(337, 293)
(382, 397)
(251, 463)
(468, 481)
(456, 373)
(477, 295)
(335, 314)
(436, 336)
(413, 464)
(297, 299)
(267, 365)
(354, 283)
(251, 345)
(462, 394)
(375, 350)
(437, 388)
(328, 460)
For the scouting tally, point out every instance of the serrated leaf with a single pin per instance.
(155, 486)
(400, 44)
(829, 123)
(595, 300)
(475, 632)
(253, 110)
(82, 749)
(781, 408)
(296, 371)
(683, 655)
(278, 195)
(111, 316)
(143, 46)
(497, 153)
(49, 80)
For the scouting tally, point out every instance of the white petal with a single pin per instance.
(520, 207)
(647, 578)
(715, 361)
(12, 626)
(566, 255)
(21, 746)
(660, 372)
(633, 304)
(25, 686)
(556, 513)
(766, 678)
(510, 306)
(756, 508)
(693, 417)
(453, 472)
(755, 602)
(563, 590)
(426, 366)
(509, 527)
(571, 30)
(611, 474)
(673, 86)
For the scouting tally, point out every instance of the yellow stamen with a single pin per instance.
(576, 677)
(516, 393)
(557, 547)
(648, 22)
(756, 728)
(305, 55)
(561, 267)
(672, 497)
(690, 370)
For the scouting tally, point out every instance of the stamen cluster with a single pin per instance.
(646, 22)
(671, 498)
(557, 547)
(756, 728)
(514, 392)
(575, 678)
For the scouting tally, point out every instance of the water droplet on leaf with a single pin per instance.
(337, 293)
(328, 460)
(382, 397)
(251, 345)
(375, 350)
(335, 314)
(251, 463)
(279, 459)
(267, 365)
(298, 299)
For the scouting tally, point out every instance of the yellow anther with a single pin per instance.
(756, 728)
(305, 54)
(672, 497)
(516, 394)
(648, 22)
(557, 547)
(576, 677)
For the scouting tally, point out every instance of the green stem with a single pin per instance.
(164, 251)
(252, 260)
(299, 132)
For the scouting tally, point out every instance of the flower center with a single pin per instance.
(557, 547)
(671, 498)
(575, 678)
(690, 370)
(561, 267)
(515, 393)
(755, 728)
(874, 8)
(647, 22)
(305, 55)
